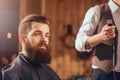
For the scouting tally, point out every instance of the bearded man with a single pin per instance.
(31, 63)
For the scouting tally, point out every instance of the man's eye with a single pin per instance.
(36, 34)
(48, 36)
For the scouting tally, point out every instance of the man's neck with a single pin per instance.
(24, 52)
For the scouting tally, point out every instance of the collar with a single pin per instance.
(113, 7)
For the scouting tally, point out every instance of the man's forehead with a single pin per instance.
(40, 26)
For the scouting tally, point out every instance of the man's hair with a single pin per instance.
(25, 24)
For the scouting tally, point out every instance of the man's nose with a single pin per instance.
(43, 38)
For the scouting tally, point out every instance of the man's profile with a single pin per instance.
(31, 63)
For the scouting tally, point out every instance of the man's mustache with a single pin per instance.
(42, 44)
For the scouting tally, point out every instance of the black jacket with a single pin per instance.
(22, 69)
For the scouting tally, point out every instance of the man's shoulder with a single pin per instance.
(16, 70)
(14, 66)
(98, 6)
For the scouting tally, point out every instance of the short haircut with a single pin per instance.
(25, 24)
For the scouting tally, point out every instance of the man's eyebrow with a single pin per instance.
(41, 31)
(38, 31)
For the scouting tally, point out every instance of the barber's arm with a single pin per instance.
(107, 33)
(87, 29)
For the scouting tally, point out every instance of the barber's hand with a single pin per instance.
(107, 33)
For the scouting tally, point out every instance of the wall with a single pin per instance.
(61, 14)
(9, 20)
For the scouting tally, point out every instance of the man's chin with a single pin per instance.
(42, 49)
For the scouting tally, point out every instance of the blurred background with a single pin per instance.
(66, 17)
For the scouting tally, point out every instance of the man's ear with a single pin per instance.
(22, 38)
